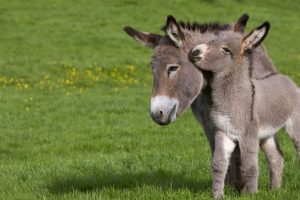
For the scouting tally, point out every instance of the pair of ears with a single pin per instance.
(174, 31)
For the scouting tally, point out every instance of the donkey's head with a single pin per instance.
(177, 82)
(226, 52)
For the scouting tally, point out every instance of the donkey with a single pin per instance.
(178, 84)
(245, 110)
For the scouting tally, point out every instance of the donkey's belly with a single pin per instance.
(267, 131)
(223, 123)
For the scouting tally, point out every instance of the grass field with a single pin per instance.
(74, 101)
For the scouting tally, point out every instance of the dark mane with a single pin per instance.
(213, 27)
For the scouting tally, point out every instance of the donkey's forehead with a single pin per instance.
(230, 40)
(166, 51)
(167, 56)
(230, 37)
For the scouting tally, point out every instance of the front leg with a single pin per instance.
(233, 175)
(249, 159)
(224, 147)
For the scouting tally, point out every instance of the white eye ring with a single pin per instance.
(226, 50)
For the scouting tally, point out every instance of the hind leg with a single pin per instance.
(293, 129)
(274, 156)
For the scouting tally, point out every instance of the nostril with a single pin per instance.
(161, 112)
(196, 52)
(158, 115)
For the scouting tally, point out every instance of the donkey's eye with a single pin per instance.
(172, 68)
(226, 50)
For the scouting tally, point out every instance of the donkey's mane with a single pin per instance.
(213, 27)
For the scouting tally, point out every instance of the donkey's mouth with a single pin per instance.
(165, 119)
(172, 114)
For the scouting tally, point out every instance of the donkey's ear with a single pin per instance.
(240, 25)
(149, 39)
(172, 29)
(255, 37)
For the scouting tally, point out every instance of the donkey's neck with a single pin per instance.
(234, 90)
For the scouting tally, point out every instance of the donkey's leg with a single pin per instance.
(221, 156)
(274, 156)
(275, 160)
(249, 159)
(233, 175)
(293, 130)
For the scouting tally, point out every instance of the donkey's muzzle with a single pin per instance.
(197, 53)
(163, 118)
(163, 110)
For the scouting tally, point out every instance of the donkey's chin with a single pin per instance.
(167, 122)
(197, 63)
(163, 123)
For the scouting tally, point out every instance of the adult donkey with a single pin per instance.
(178, 84)
(245, 110)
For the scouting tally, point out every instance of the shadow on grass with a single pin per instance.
(161, 179)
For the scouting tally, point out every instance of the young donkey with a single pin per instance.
(178, 84)
(245, 110)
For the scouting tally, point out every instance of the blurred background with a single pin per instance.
(75, 95)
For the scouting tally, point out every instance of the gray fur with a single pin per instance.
(192, 87)
(255, 108)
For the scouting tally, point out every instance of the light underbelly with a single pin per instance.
(224, 124)
(266, 132)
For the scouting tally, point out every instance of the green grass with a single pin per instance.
(74, 101)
